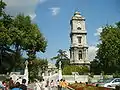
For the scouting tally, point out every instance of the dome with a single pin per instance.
(77, 13)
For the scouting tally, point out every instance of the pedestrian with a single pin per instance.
(17, 86)
(3, 85)
(64, 84)
(60, 84)
(11, 83)
(46, 88)
(52, 85)
(47, 84)
(23, 86)
(38, 86)
(43, 85)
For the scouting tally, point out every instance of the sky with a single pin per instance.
(53, 18)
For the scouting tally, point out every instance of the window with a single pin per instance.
(80, 54)
(78, 28)
(79, 39)
(116, 80)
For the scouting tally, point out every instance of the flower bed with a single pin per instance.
(82, 86)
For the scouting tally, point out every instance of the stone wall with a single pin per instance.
(73, 78)
(83, 78)
(97, 77)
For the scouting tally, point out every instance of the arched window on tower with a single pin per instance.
(78, 28)
(80, 55)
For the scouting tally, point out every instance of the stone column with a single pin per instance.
(75, 54)
(26, 72)
(71, 55)
(60, 71)
(84, 54)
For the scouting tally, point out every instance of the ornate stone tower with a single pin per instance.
(79, 47)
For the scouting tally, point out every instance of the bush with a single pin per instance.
(67, 70)
(116, 74)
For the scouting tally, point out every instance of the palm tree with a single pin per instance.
(61, 56)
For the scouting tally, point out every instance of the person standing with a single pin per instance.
(4, 85)
(43, 85)
(52, 85)
(60, 84)
(17, 86)
(11, 83)
(64, 84)
(23, 86)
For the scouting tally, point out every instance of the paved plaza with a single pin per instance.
(33, 87)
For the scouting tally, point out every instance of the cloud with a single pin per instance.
(27, 7)
(99, 30)
(92, 52)
(55, 10)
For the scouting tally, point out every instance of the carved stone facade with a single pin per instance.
(79, 47)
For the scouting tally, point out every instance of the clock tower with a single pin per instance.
(79, 47)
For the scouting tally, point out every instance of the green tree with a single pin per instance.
(35, 66)
(26, 36)
(109, 49)
(18, 35)
(95, 67)
(30, 37)
(6, 54)
(2, 6)
(61, 56)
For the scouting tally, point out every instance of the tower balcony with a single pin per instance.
(79, 45)
(79, 32)
(77, 62)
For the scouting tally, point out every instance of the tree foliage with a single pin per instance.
(17, 35)
(95, 67)
(27, 36)
(108, 53)
(61, 56)
(35, 66)
(2, 7)
(67, 70)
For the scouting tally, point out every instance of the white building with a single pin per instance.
(79, 47)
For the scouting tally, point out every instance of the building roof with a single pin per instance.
(77, 16)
